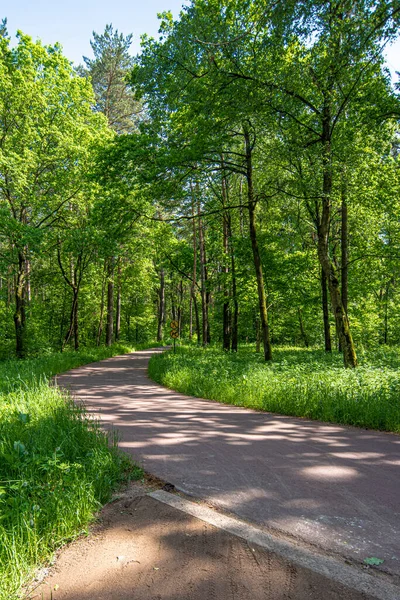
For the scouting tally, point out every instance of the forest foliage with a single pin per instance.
(240, 176)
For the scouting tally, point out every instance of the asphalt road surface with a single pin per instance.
(332, 487)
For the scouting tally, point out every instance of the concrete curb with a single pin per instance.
(334, 569)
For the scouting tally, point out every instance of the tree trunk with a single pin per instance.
(345, 253)
(119, 303)
(110, 303)
(191, 316)
(203, 278)
(10, 290)
(341, 320)
(226, 321)
(180, 307)
(256, 253)
(197, 318)
(20, 314)
(28, 279)
(103, 290)
(62, 321)
(73, 321)
(161, 306)
(325, 312)
(76, 324)
(234, 339)
(302, 329)
(173, 309)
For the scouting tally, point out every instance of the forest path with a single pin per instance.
(330, 486)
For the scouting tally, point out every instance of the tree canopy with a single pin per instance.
(240, 175)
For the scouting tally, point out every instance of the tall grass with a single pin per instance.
(300, 382)
(56, 465)
(21, 373)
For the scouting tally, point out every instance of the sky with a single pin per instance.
(71, 22)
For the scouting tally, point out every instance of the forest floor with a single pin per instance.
(143, 549)
(331, 488)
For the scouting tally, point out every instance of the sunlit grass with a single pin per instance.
(21, 373)
(57, 467)
(301, 382)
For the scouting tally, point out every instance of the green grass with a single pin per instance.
(16, 374)
(301, 382)
(57, 468)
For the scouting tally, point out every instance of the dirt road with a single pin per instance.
(145, 550)
(333, 487)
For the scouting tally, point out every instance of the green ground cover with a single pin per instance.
(56, 466)
(301, 382)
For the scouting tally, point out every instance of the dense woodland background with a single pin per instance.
(240, 176)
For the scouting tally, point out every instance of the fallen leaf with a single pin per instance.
(372, 560)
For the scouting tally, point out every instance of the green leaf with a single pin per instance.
(19, 447)
(24, 418)
(372, 560)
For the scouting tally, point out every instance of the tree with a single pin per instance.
(257, 60)
(47, 129)
(108, 72)
(115, 99)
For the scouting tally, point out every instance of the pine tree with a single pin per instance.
(108, 71)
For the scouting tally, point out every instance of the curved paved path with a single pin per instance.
(332, 486)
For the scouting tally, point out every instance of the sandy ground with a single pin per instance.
(142, 549)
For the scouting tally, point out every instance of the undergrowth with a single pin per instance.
(300, 382)
(57, 467)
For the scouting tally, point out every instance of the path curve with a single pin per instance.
(331, 486)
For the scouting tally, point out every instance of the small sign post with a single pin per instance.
(174, 332)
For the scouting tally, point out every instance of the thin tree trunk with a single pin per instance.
(194, 275)
(345, 253)
(173, 308)
(203, 278)
(103, 290)
(325, 313)
(302, 329)
(256, 253)
(75, 305)
(226, 321)
(197, 318)
(241, 215)
(191, 316)
(20, 314)
(161, 306)
(180, 307)
(76, 324)
(235, 319)
(341, 320)
(73, 321)
(28, 279)
(10, 291)
(110, 303)
(119, 302)
(62, 322)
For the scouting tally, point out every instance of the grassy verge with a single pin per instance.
(301, 382)
(56, 466)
